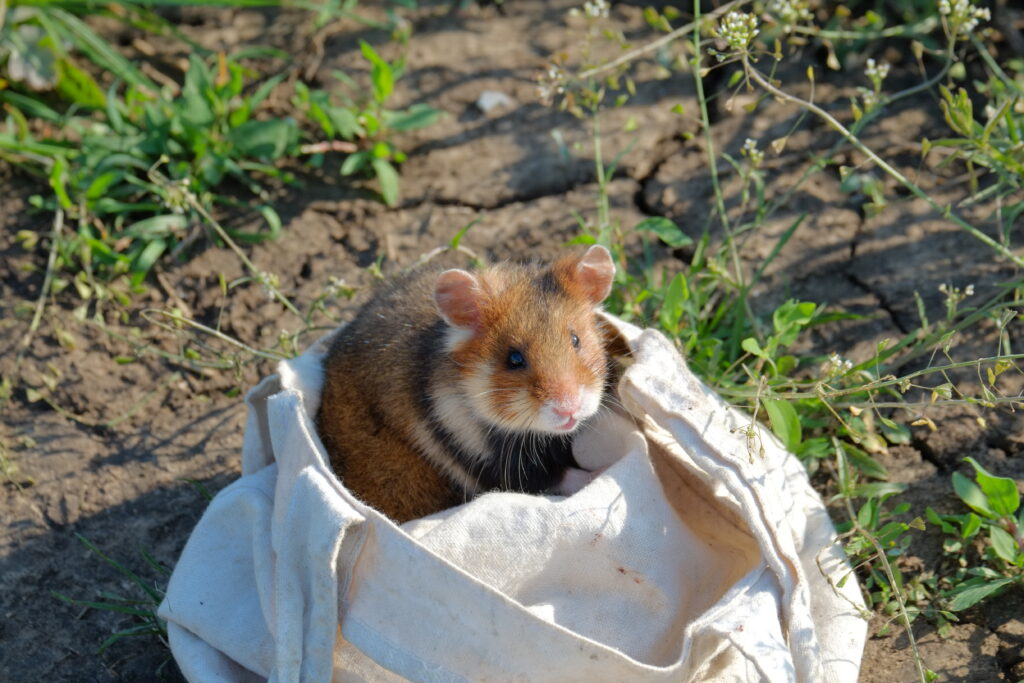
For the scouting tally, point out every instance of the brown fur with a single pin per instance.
(365, 416)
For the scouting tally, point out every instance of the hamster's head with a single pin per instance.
(526, 342)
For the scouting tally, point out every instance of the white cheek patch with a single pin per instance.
(482, 395)
(590, 401)
(477, 388)
(452, 410)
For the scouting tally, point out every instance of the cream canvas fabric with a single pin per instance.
(697, 554)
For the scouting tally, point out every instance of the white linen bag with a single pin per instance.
(693, 557)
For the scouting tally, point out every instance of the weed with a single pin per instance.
(142, 608)
(367, 120)
(996, 527)
(128, 167)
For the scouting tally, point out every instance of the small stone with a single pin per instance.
(492, 99)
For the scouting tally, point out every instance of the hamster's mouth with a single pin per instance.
(569, 424)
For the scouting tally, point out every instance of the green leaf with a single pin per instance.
(864, 462)
(789, 318)
(785, 422)
(78, 86)
(354, 162)
(388, 178)
(971, 525)
(971, 495)
(1004, 544)
(265, 139)
(672, 305)
(273, 220)
(345, 123)
(457, 239)
(157, 226)
(265, 89)
(30, 106)
(382, 75)
(666, 230)
(751, 346)
(867, 516)
(938, 521)
(785, 365)
(146, 258)
(975, 590)
(1003, 496)
(195, 102)
(879, 489)
(96, 48)
(894, 432)
(102, 183)
(417, 116)
(58, 181)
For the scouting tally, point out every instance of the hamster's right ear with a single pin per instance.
(596, 273)
(459, 299)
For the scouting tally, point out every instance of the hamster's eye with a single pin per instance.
(575, 340)
(516, 360)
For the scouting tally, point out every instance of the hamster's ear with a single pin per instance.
(459, 298)
(595, 272)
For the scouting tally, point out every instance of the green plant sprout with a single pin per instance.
(995, 526)
(142, 608)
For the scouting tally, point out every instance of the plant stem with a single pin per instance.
(945, 211)
(903, 30)
(215, 333)
(659, 42)
(709, 143)
(51, 261)
(603, 223)
(871, 386)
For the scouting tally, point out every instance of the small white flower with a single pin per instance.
(269, 282)
(790, 12)
(597, 9)
(962, 15)
(876, 70)
(954, 295)
(837, 365)
(738, 29)
(551, 84)
(752, 153)
(335, 287)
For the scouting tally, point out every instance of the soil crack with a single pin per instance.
(523, 198)
(640, 196)
(883, 301)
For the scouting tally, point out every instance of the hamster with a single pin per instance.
(451, 383)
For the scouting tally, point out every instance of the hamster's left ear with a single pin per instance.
(594, 273)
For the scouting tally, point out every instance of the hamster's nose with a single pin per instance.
(566, 409)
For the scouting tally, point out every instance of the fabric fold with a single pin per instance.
(693, 556)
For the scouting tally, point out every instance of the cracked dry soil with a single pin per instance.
(126, 486)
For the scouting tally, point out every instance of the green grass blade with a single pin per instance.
(97, 49)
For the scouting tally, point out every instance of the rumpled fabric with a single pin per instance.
(699, 552)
